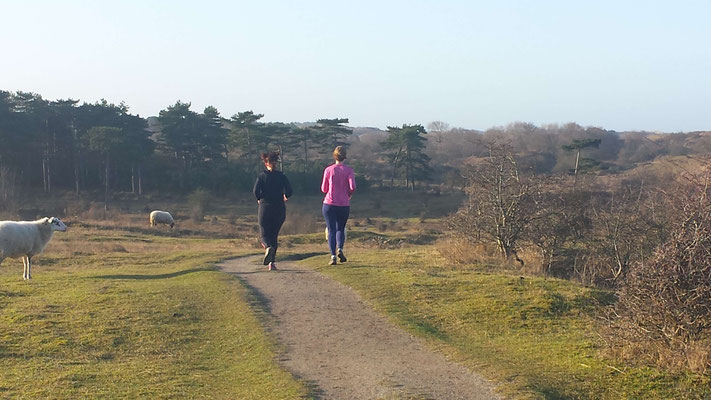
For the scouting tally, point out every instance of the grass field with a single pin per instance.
(111, 314)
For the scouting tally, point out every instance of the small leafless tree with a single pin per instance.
(502, 201)
(627, 225)
(619, 232)
(564, 220)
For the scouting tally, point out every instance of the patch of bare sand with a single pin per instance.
(342, 348)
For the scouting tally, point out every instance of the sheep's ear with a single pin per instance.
(46, 220)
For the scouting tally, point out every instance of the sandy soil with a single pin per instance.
(343, 349)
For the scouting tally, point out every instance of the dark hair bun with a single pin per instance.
(272, 157)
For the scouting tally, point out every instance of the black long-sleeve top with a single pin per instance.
(271, 186)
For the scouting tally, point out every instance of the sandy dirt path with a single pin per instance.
(343, 349)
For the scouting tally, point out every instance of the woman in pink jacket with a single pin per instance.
(338, 184)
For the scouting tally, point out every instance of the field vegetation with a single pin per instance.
(118, 311)
(143, 311)
(538, 337)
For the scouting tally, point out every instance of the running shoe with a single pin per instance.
(272, 266)
(269, 255)
(334, 261)
(341, 257)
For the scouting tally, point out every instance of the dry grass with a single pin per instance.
(695, 356)
(464, 253)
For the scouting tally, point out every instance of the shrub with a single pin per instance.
(502, 202)
(665, 305)
(627, 226)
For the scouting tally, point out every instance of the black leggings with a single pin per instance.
(271, 218)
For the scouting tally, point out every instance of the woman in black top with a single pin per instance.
(272, 190)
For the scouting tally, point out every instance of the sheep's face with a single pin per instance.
(56, 224)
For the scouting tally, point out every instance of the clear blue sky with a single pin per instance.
(622, 65)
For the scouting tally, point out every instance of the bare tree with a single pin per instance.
(502, 202)
(564, 220)
(437, 127)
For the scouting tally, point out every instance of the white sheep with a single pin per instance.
(26, 239)
(161, 217)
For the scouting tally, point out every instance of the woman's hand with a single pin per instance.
(285, 198)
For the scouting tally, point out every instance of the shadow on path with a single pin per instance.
(159, 276)
(301, 256)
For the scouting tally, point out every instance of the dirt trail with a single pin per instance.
(345, 350)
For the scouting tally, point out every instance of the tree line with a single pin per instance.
(552, 148)
(68, 145)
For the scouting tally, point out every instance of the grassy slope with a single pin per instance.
(151, 319)
(534, 335)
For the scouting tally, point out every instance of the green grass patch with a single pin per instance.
(536, 337)
(154, 321)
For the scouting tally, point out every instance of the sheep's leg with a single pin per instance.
(24, 267)
(29, 267)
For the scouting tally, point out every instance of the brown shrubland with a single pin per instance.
(664, 306)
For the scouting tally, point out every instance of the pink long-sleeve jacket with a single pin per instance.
(339, 184)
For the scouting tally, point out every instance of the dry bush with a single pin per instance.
(579, 232)
(534, 261)
(563, 221)
(462, 251)
(595, 236)
(627, 226)
(502, 202)
(665, 304)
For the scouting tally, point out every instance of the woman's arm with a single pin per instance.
(325, 181)
(287, 188)
(258, 189)
(351, 183)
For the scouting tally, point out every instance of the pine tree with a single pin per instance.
(407, 153)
